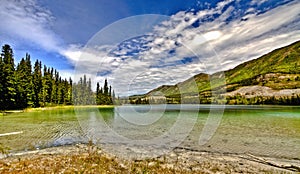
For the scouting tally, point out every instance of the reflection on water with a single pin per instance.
(261, 130)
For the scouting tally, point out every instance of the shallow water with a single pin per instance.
(259, 130)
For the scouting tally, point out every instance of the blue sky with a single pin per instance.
(180, 39)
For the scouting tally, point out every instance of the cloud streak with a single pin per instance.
(26, 20)
(218, 43)
(176, 48)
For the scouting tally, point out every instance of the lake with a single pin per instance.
(272, 131)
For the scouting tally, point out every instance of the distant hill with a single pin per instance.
(273, 78)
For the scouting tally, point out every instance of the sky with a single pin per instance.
(139, 45)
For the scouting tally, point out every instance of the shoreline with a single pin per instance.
(67, 107)
(54, 107)
(71, 158)
(112, 106)
(100, 159)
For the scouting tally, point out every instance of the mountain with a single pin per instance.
(273, 78)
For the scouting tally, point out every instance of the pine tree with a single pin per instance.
(65, 91)
(1, 84)
(29, 86)
(55, 83)
(80, 90)
(61, 91)
(104, 95)
(101, 97)
(21, 88)
(47, 86)
(24, 83)
(89, 94)
(8, 80)
(98, 94)
(105, 87)
(109, 93)
(37, 83)
(70, 92)
(109, 97)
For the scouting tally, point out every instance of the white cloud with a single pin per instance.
(238, 40)
(26, 20)
(218, 43)
(73, 53)
(212, 35)
(26, 24)
(234, 41)
(258, 2)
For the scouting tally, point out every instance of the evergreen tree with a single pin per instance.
(97, 94)
(97, 89)
(89, 93)
(82, 92)
(29, 87)
(47, 86)
(61, 91)
(105, 87)
(65, 91)
(22, 87)
(70, 92)
(1, 84)
(8, 80)
(24, 83)
(109, 97)
(101, 97)
(109, 93)
(56, 87)
(105, 94)
(37, 83)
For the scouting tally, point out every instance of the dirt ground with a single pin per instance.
(92, 159)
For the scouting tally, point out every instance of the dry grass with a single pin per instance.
(91, 159)
(80, 163)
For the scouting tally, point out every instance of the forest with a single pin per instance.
(25, 85)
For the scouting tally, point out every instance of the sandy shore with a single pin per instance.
(92, 159)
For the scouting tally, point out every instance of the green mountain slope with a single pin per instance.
(277, 70)
(285, 60)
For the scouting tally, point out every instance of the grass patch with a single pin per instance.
(68, 107)
(91, 159)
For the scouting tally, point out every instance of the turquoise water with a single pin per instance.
(259, 130)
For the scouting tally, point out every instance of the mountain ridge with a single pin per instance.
(277, 70)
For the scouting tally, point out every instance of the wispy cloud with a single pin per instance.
(184, 44)
(25, 20)
(218, 42)
(235, 41)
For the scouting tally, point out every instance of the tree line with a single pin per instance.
(261, 100)
(218, 99)
(104, 95)
(25, 85)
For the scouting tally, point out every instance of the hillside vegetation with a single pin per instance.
(275, 71)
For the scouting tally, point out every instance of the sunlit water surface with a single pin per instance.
(259, 130)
